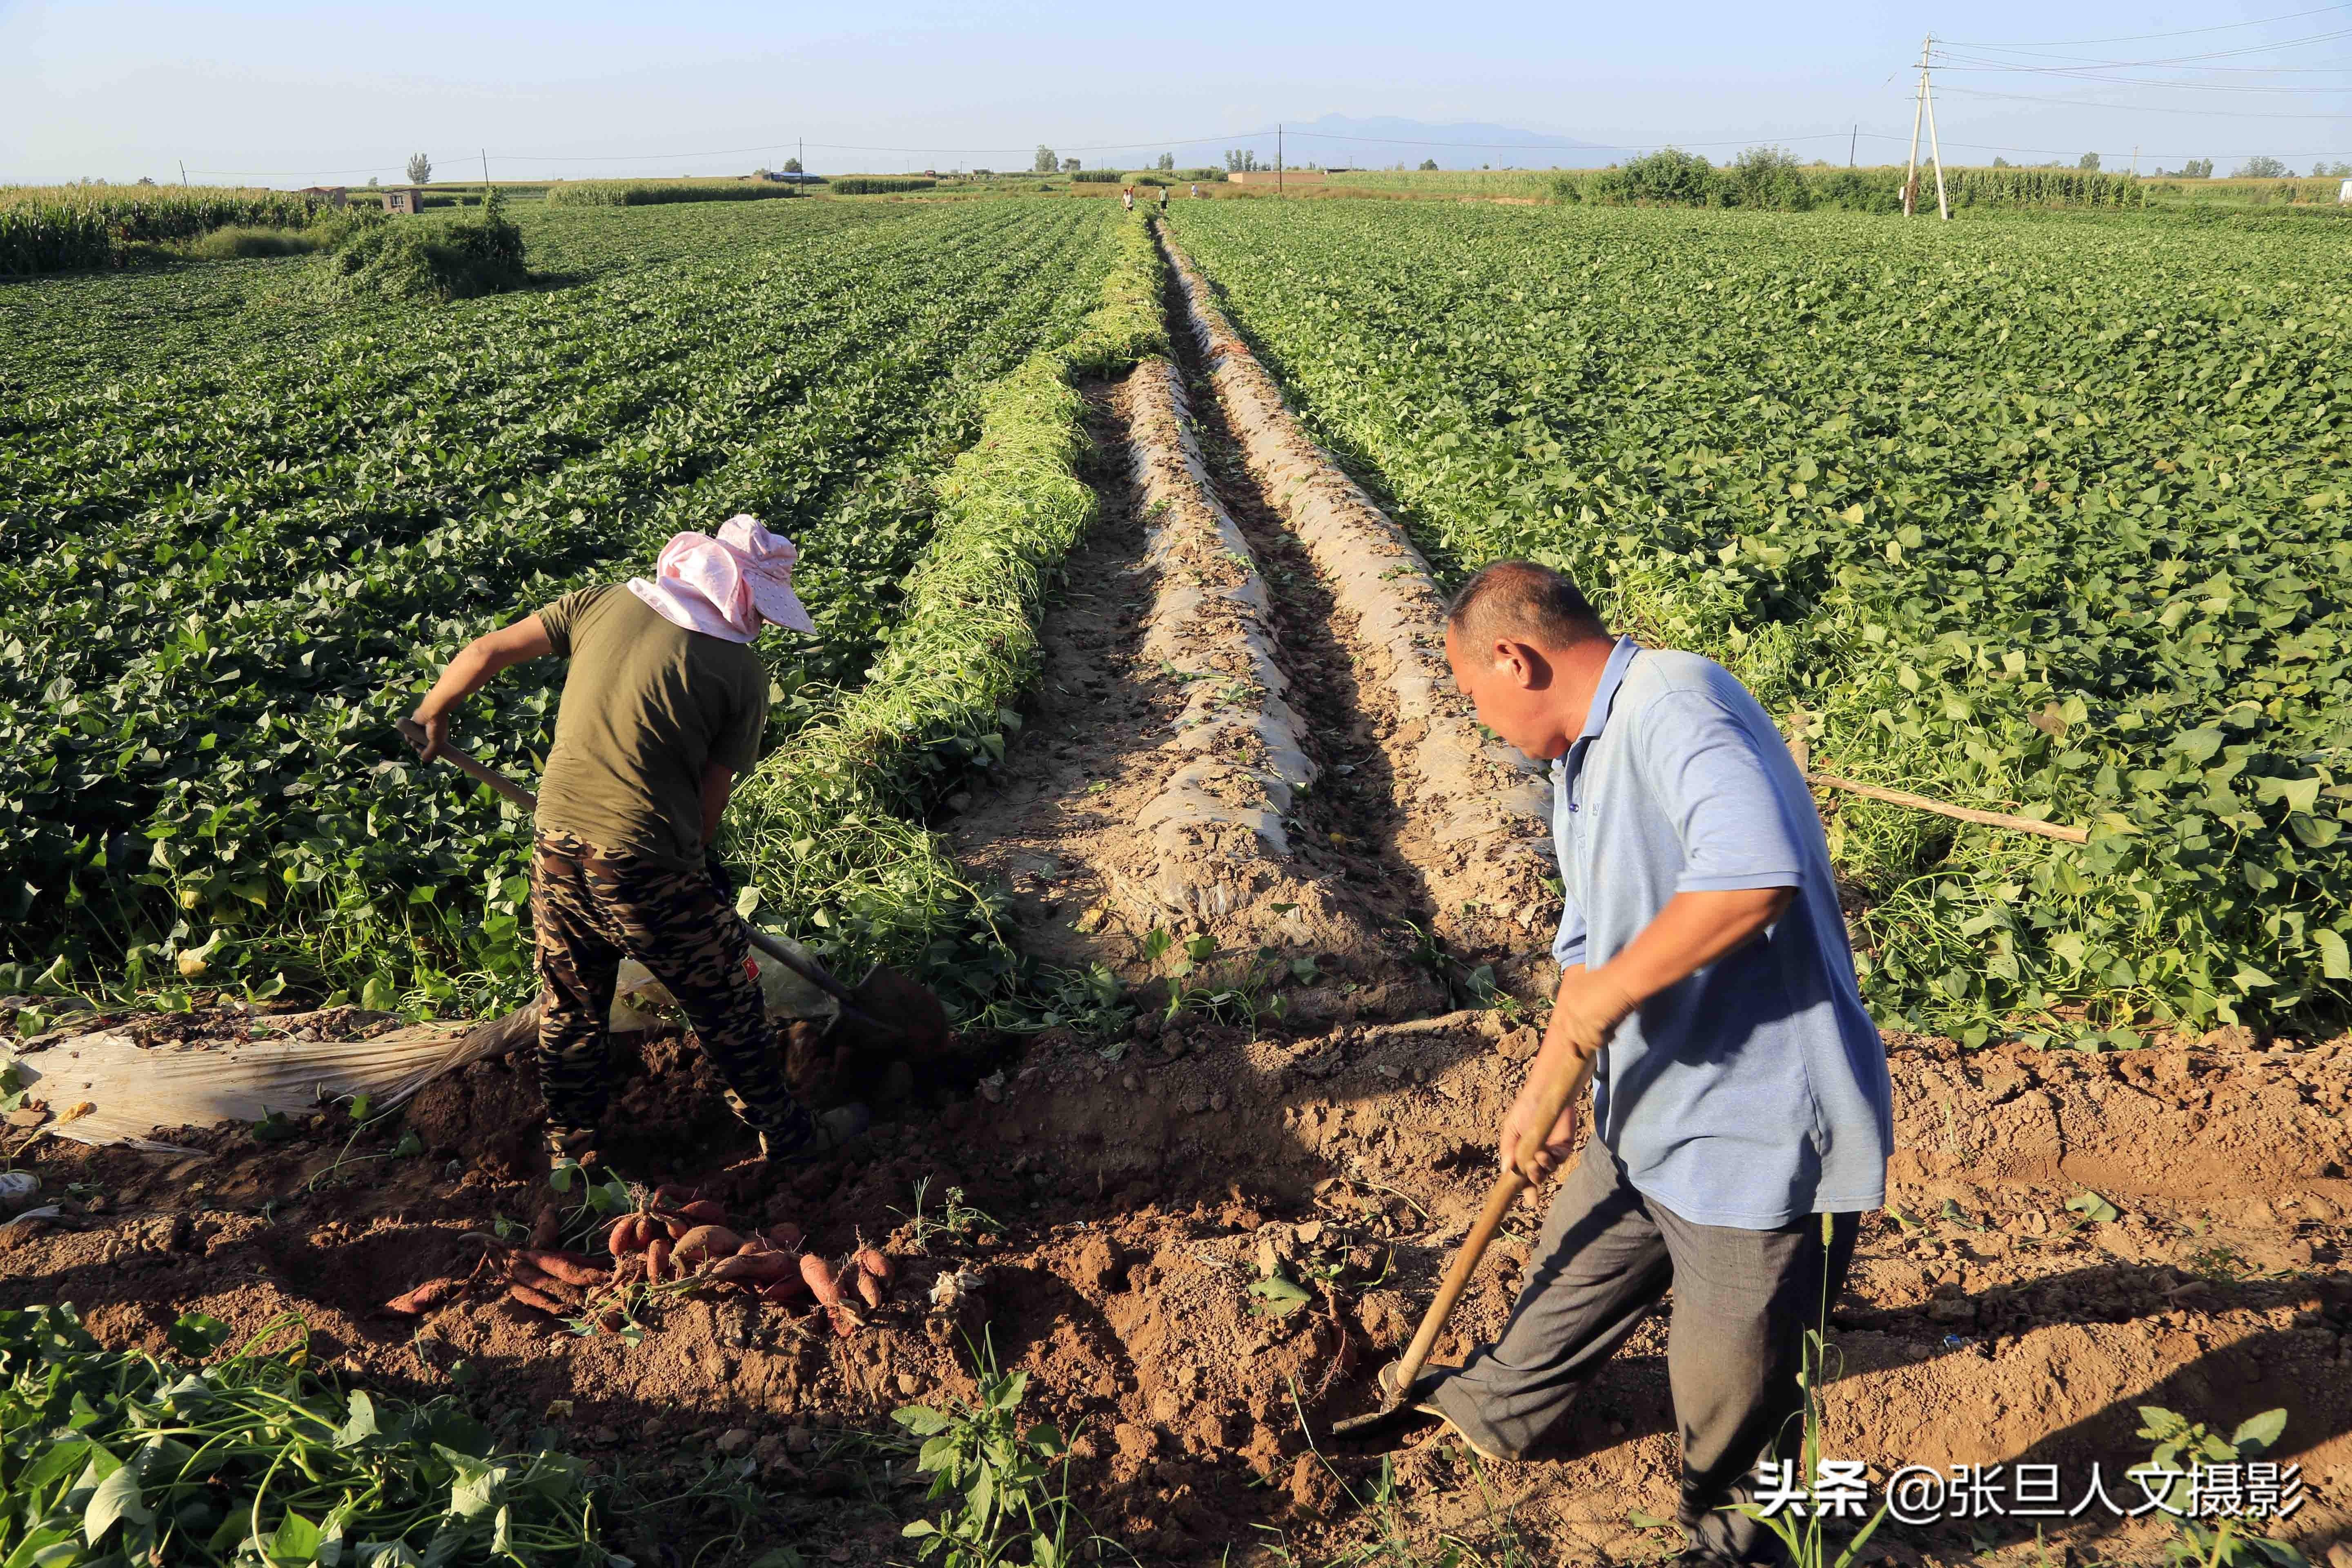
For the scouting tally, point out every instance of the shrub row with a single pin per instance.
(1771, 179)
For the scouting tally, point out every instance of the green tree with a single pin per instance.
(1429, 165)
(2088, 162)
(1046, 162)
(1769, 177)
(1167, 160)
(420, 169)
(792, 166)
(2260, 168)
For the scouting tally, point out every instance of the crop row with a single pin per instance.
(655, 192)
(50, 228)
(832, 826)
(2024, 517)
(238, 578)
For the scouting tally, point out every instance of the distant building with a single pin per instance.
(334, 195)
(1269, 177)
(403, 199)
(2344, 192)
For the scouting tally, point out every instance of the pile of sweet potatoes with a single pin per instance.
(674, 1244)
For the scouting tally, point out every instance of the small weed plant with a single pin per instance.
(1006, 1487)
(2186, 1453)
(1800, 1528)
(958, 1220)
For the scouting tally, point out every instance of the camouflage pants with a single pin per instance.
(588, 912)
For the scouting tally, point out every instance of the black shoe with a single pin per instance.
(829, 1134)
(573, 1148)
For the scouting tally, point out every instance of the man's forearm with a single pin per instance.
(1692, 932)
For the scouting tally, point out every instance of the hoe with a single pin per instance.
(1505, 1192)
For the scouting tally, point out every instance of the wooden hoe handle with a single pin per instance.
(1506, 1190)
(413, 733)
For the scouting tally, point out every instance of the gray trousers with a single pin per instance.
(1743, 1300)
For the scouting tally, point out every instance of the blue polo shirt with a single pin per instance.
(1754, 1091)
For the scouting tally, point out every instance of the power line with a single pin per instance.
(2182, 33)
(2185, 61)
(2141, 107)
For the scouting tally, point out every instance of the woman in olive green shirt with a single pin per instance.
(663, 707)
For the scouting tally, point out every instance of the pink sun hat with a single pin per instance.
(726, 586)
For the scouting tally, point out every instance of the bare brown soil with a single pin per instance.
(1129, 1203)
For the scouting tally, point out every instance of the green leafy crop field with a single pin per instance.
(221, 578)
(2036, 517)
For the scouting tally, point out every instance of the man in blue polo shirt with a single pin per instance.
(1739, 1091)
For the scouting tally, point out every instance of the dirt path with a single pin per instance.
(1472, 816)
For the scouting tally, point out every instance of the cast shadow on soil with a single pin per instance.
(2220, 1386)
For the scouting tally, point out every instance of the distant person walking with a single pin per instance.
(1163, 198)
(1127, 196)
(1196, 190)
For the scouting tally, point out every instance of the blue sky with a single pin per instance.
(285, 94)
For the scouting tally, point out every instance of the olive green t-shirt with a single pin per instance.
(646, 706)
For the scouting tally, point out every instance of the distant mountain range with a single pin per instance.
(1377, 141)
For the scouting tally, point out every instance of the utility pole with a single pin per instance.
(1851, 142)
(184, 171)
(1924, 105)
(1943, 207)
(1277, 160)
(485, 173)
(2134, 159)
(1911, 163)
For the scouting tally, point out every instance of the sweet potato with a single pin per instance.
(522, 1271)
(538, 1301)
(627, 1235)
(754, 1267)
(845, 1319)
(787, 1236)
(706, 1241)
(821, 1282)
(784, 1291)
(869, 1288)
(425, 1297)
(570, 1268)
(613, 1322)
(704, 1210)
(658, 1262)
(667, 1197)
(869, 1260)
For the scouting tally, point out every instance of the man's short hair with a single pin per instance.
(1522, 600)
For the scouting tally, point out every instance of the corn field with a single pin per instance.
(58, 228)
